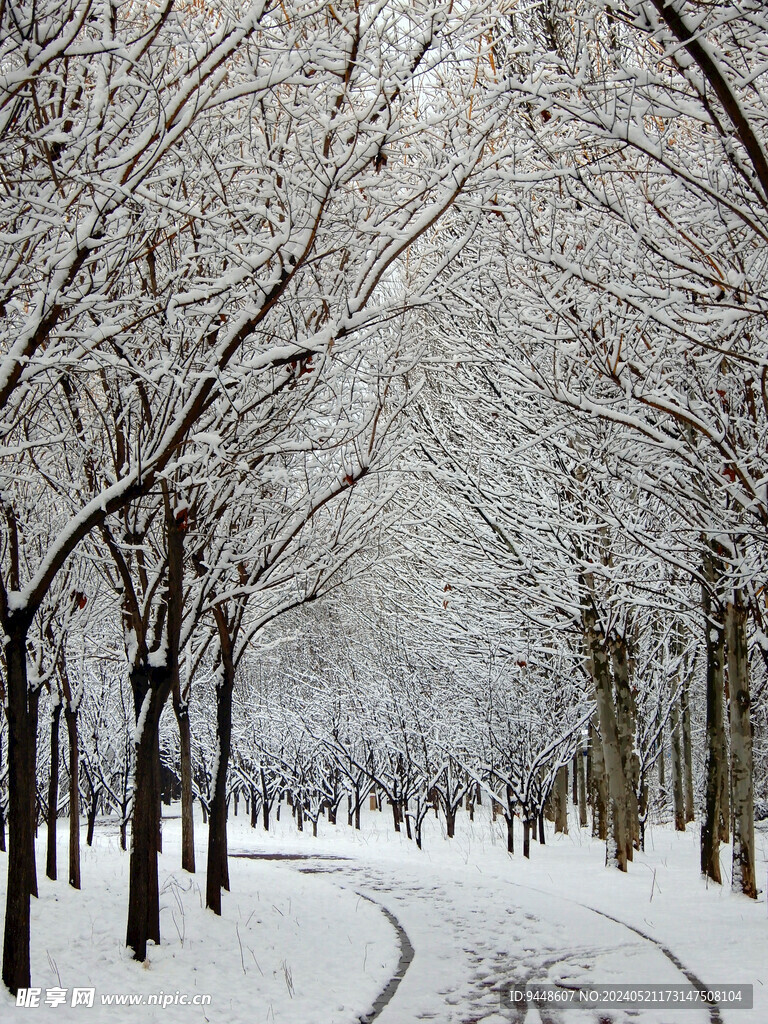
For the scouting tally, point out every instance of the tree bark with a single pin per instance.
(715, 760)
(743, 875)
(678, 787)
(561, 800)
(617, 842)
(581, 787)
(685, 714)
(70, 717)
(626, 716)
(599, 784)
(34, 705)
(218, 869)
(181, 710)
(151, 687)
(21, 795)
(53, 792)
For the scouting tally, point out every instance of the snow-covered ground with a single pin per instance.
(303, 937)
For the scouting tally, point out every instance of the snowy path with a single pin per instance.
(471, 935)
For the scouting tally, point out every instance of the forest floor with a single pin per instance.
(363, 925)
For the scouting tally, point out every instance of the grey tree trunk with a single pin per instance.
(582, 788)
(21, 788)
(53, 793)
(181, 710)
(626, 721)
(70, 717)
(716, 757)
(685, 715)
(599, 788)
(561, 800)
(678, 794)
(151, 688)
(618, 839)
(743, 876)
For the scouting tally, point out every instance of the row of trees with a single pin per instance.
(421, 731)
(281, 282)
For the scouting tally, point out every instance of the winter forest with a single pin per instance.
(383, 461)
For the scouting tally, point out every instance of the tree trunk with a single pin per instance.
(510, 820)
(70, 717)
(450, 821)
(715, 760)
(661, 766)
(617, 842)
(34, 705)
(53, 792)
(181, 710)
(678, 789)
(396, 814)
(21, 795)
(685, 714)
(218, 867)
(626, 716)
(527, 837)
(92, 811)
(406, 818)
(561, 800)
(599, 785)
(743, 876)
(151, 687)
(582, 788)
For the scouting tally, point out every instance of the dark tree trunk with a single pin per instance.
(175, 523)
(617, 842)
(53, 793)
(396, 815)
(561, 800)
(626, 716)
(21, 796)
(70, 717)
(510, 820)
(151, 687)
(582, 788)
(92, 812)
(218, 869)
(527, 837)
(678, 788)
(685, 714)
(450, 821)
(743, 878)
(542, 834)
(181, 710)
(34, 705)
(264, 800)
(715, 762)
(599, 784)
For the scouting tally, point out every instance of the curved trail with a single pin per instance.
(463, 938)
(403, 963)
